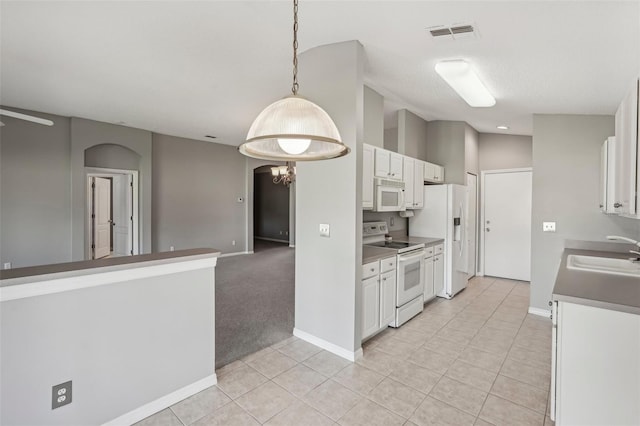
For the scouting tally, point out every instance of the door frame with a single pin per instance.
(477, 240)
(91, 172)
(483, 173)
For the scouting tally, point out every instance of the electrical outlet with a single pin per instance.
(548, 227)
(325, 230)
(7, 265)
(392, 221)
(61, 395)
(171, 248)
(233, 243)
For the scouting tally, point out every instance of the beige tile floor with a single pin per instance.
(478, 359)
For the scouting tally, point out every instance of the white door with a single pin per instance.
(472, 222)
(122, 215)
(387, 298)
(381, 168)
(367, 177)
(507, 224)
(408, 183)
(101, 217)
(370, 306)
(429, 292)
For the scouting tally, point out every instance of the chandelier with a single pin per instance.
(293, 128)
(284, 174)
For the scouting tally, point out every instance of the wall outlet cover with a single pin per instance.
(325, 230)
(548, 227)
(61, 395)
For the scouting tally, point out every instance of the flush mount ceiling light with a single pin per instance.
(293, 128)
(460, 76)
(503, 127)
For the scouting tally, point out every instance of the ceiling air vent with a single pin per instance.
(454, 32)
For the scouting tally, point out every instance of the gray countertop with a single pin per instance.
(427, 241)
(371, 253)
(607, 291)
(45, 272)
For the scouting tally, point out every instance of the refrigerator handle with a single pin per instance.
(462, 226)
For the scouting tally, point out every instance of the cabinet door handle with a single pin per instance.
(616, 205)
(372, 269)
(384, 279)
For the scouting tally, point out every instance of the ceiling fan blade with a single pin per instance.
(26, 117)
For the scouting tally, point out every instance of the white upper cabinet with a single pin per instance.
(418, 184)
(409, 181)
(367, 176)
(388, 165)
(433, 173)
(627, 178)
(608, 175)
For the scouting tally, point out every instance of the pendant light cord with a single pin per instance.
(294, 88)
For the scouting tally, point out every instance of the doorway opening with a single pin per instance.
(271, 211)
(111, 213)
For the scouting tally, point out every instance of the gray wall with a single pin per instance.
(446, 147)
(111, 156)
(470, 150)
(123, 345)
(271, 207)
(86, 134)
(328, 270)
(497, 151)
(373, 118)
(566, 163)
(196, 185)
(412, 135)
(391, 139)
(35, 196)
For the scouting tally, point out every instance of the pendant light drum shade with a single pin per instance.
(285, 128)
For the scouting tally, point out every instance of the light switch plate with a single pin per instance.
(325, 230)
(548, 227)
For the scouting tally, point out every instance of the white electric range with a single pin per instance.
(409, 271)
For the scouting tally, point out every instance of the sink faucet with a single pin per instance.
(629, 240)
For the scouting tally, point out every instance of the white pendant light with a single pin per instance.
(460, 76)
(293, 128)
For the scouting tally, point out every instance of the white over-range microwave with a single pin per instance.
(388, 195)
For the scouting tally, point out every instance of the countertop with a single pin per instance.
(372, 253)
(615, 292)
(18, 276)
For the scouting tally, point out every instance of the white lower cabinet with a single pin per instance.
(438, 273)
(433, 271)
(387, 298)
(429, 289)
(378, 295)
(370, 303)
(595, 366)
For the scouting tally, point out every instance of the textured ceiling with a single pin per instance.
(208, 67)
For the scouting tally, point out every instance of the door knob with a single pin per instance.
(617, 205)
(488, 222)
(488, 229)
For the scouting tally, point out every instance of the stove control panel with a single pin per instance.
(370, 229)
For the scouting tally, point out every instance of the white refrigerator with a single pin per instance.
(444, 216)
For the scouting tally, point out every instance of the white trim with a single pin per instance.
(481, 248)
(292, 245)
(328, 346)
(235, 253)
(163, 402)
(97, 278)
(540, 312)
(135, 231)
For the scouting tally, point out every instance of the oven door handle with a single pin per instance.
(406, 258)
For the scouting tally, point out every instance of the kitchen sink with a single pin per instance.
(604, 265)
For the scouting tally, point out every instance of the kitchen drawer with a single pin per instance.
(439, 249)
(370, 269)
(428, 252)
(388, 264)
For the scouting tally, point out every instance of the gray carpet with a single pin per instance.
(254, 300)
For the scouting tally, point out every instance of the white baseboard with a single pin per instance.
(237, 253)
(328, 346)
(163, 402)
(540, 312)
